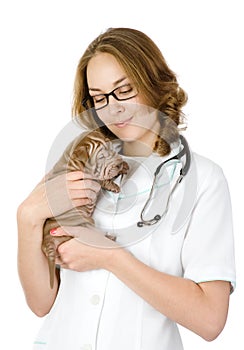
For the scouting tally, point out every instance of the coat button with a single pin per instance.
(95, 299)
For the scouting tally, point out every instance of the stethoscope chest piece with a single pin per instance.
(149, 222)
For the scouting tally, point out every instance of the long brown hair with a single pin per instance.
(145, 65)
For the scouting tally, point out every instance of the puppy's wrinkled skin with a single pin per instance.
(94, 155)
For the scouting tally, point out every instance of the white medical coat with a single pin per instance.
(94, 310)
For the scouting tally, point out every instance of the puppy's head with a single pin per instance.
(94, 154)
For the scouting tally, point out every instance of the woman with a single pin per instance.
(178, 271)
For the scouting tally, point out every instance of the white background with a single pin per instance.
(41, 43)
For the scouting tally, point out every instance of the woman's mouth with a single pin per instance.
(123, 123)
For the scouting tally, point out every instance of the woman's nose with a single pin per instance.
(115, 106)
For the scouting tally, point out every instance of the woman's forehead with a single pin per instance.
(104, 72)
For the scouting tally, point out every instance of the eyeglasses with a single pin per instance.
(121, 93)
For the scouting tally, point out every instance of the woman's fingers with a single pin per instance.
(77, 175)
(83, 194)
(54, 196)
(80, 186)
(87, 235)
(71, 190)
(84, 184)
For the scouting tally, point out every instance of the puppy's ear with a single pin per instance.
(65, 162)
(78, 157)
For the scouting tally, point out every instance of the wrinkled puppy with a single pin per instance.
(92, 153)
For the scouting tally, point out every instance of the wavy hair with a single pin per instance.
(146, 67)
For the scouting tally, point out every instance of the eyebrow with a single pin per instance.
(114, 84)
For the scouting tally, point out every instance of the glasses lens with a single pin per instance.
(100, 101)
(125, 92)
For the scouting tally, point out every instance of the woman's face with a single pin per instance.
(130, 120)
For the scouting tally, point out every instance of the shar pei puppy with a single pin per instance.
(94, 154)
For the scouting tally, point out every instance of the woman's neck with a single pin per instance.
(136, 149)
(143, 146)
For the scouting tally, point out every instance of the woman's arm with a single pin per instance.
(202, 308)
(32, 264)
(31, 215)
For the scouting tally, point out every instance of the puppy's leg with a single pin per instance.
(50, 245)
(109, 185)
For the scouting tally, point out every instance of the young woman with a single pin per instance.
(178, 269)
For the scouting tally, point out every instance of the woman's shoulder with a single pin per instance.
(208, 171)
(206, 164)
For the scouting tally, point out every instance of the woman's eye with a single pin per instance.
(99, 99)
(125, 90)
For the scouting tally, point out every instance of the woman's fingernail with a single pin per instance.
(53, 231)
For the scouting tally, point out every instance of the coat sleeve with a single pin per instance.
(208, 249)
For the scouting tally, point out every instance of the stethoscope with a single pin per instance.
(184, 170)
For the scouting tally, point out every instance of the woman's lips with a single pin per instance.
(123, 123)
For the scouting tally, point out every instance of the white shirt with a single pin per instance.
(94, 310)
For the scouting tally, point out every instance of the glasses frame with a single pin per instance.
(112, 93)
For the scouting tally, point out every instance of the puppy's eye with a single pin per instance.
(103, 154)
(100, 156)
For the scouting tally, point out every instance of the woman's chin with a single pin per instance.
(128, 133)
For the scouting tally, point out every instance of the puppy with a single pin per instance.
(92, 153)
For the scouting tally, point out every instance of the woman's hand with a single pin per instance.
(62, 193)
(89, 250)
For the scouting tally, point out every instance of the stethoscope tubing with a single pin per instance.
(184, 170)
